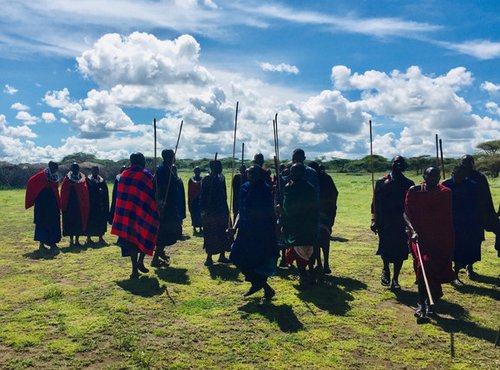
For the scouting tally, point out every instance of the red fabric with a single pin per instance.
(136, 216)
(36, 184)
(430, 213)
(194, 189)
(291, 256)
(82, 193)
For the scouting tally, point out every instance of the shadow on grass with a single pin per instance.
(479, 290)
(487, 279)
(282, 315)
(459, 321)
(144, 286)
(338, 239)
(332, 294)
(42, 255)
(224, 271)
(173, 275)
(75, 248)
(184, 237)
(287, 273)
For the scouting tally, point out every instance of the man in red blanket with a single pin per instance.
(136, 219)
(429, 217)
(42, 191)
(74, 204)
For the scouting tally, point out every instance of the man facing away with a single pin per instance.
(429, 217)
(136, 218)
(74, 204)
(42, 191)
(99, 206)
(215, 214)
(388, 207)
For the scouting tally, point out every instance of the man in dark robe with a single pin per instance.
(136, 218)
(42, 192)
(113, 196)
(255, 250)
(167, 198)
(489, 219)
(180, 202)
(215, 214)
(466, 219)
(388, 206)
(300, 216)
(238, 180)
(258, 160)
(74, 204)
(194, 199)
(99, 206)
(429, 218)
(328, 195)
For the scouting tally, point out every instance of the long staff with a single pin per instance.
(431, 301)
(437, 151)
(170, 173)
(277, 157)
(154, 134)
(233, 163)
(371, 157)
(442, 158)
(242, 154)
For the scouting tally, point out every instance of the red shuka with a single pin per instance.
(430, 213)
(82, 193)
(194, 189)
(36, 184)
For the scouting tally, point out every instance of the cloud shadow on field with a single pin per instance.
(224, 272)
(332, 294)
(144, 286)
(173, 275)
(282, 315)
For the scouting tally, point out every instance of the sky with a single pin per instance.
(90, 76)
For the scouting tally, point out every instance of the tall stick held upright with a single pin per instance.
(154, 135)
(371, 157)
(233, 162)
(437, 151)
(442, 158)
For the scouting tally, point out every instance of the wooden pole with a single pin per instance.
(371, 157)
(242, 154)
(442, 158)
(437, 151)
(427, 287)
(154, 154)
(233, 162)
(178, 139)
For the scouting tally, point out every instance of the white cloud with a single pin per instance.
(491, 88)
(282, 67)
(480, 49)
(493, 108)
(19, 106)
(14, 131)
(27, 118)
(10, 90)
(48, 117)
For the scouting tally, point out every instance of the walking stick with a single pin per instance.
(154, 135)
(277, 157)
(437, 151)
(233, 163)
(371, 157)
(170, 173)
(431, 301)
(178, 138)
(442, 159)
(242, 154)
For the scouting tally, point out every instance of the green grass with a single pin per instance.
(77, 309)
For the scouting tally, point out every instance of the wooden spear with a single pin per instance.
(437, 151)
(154, 135)
(233, 162)
(442, 158)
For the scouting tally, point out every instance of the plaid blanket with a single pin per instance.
(136, 214)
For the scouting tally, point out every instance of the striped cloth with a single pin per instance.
(136, 218)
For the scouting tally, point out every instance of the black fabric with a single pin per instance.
(99, 208)
(72, 219)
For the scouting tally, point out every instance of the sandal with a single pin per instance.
(385, 279)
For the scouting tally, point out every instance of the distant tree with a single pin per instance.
(489, 147)
(489, 161)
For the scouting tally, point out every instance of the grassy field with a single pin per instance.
(77, 308)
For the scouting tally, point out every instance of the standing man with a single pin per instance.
(215, 214)
(180, 202)
(489, 219)
(466, 219)
(328, 195)
(255, 251)
(99, 206)
(167, 199)
(136, 218)
(388, 207)
(238, 180)
(194, 199)
(74, 204)
(300, 219)
(429, 218)
(43, 192)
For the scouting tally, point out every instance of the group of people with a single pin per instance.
(289, 214)
(438, 223)
(83, 200)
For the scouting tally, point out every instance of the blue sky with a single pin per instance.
(91, 75)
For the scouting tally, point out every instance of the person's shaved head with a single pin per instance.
(297, 171)
(137, 159)
(432, 175)
(298, 156)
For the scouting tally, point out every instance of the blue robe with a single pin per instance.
(255, 250)
(467, 220)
